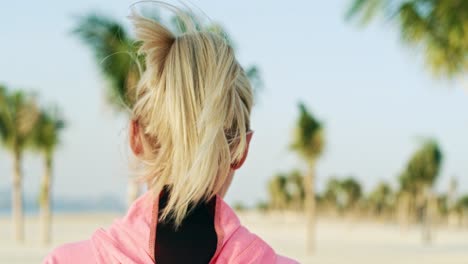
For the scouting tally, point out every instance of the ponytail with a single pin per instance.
(193, 104)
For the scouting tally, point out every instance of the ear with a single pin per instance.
(135, 138)
(239, 164)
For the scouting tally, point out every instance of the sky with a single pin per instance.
(373, 94)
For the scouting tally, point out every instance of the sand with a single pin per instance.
(338, 241)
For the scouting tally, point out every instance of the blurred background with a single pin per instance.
(360, 151)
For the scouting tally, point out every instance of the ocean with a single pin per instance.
(66, 205)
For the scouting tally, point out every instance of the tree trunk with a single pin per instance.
(17, 199)
(404, 205)
(428, 216)
(45, 217)
(451, 204)
(310, 207)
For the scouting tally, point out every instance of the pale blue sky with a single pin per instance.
(372, 93)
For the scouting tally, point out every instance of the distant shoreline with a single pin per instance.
(66, 205)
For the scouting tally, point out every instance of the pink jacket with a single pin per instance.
(130, 240)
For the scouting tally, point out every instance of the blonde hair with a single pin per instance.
(193, 105)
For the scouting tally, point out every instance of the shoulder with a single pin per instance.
(239, 245)
(78, 252)
(259, 251)
(284, 260)
(246, 247)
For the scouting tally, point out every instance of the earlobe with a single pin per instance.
(239, 164)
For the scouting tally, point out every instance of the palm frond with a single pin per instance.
(116, 54)
(423, 167)
(308, 140)
(438, 29)
(182, 22)
(48, 129)
(4, 122)
(18, 116)
(364, 10)
(255, 77)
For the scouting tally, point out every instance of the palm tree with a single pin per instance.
(418, 178)
(3, 110)
(352, 192)
(116, 54)
(309, 143)
(461, 208)
(18, 116)
(331, 195)
(46, 140)
(381, 199)
(422, 169)
(342, 195)
(452, 201)
(295, 188)
(437, 28)
(279, 196)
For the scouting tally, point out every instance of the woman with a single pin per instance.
(191, 130)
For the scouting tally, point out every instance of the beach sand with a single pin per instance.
(337, 241)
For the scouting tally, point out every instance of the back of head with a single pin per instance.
(193, 106)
